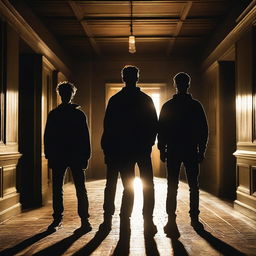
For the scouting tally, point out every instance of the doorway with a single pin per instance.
(227, 129)
(29, 165)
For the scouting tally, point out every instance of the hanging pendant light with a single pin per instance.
(132, 48)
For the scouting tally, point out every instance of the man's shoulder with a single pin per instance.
(144, 95)
(168, 103)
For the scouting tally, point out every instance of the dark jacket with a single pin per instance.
(130, 123)
(66, 136)
(182, 125)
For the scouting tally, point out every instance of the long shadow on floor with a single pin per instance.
(178, 248)
(123, 245)
(26, 243)
(93, 244)
(150, 245)
(219, 245)
(60, 247)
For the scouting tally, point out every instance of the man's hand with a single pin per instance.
(163, 155)
(85, 164)
(200, 157)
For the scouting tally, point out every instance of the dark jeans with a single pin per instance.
(192, 173)
(126, 168)
(57, 191)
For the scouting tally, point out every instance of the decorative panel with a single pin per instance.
(243, 178)
(2, 79)
(9, 179)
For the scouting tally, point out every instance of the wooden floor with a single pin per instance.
(227, 231)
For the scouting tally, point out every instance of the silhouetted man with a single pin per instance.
(67, 144)
(130, 126)
(182, 138)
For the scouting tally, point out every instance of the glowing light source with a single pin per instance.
(138, 201)
(132, 48)
(137, 184)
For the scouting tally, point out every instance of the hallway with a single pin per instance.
(227, 231)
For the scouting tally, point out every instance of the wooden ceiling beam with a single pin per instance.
(77, 12)
(183, 17)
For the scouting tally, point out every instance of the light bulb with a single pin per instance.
(132, 48)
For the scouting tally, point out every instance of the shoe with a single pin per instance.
(171, 230)
(197, 225)
(55, 225)
(106, 225)
(149, 227)
(85, 227)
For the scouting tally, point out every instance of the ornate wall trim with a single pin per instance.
(29, 35)
(231, 38)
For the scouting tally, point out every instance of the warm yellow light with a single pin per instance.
(138, 201)
(137, 184)
(132, 48)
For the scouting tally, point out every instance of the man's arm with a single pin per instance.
(48, 136)
(203, 132)
(153, 123)
(162, 133)
(106, 127)
(87, 139)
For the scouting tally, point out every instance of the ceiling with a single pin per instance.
(162, 28)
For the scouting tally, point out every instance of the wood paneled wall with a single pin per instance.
(246, 124)
(26, 97)
(9, 155)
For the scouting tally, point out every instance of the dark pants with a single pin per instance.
(57, 191)
(126, 168)
(192, 173)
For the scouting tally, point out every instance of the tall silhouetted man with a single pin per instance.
(67, 144)
(182, 138)
(130, 127)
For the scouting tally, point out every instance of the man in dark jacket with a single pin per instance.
(182, 138)
(130, 126)
(67, 144)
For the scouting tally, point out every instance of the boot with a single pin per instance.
(84, 228)
(106, 225)
(196, 224)
(55, 225)
(171, 229)
(149, 227)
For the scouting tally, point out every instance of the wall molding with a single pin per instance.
(25, 31)
(231, 38)
(246, 154)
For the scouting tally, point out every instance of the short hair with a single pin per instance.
(129, 72)
(182, 78)
(66, 86)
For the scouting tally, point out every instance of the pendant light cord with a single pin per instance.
(131, 25)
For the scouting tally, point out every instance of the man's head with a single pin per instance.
(130, 75)
(66, 91)
(182, 82)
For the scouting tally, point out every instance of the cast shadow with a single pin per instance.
(178, 248)
(26, 243)
(219, 245)
(150, 245)
(93, 244)
(123, 245)
(60, 247)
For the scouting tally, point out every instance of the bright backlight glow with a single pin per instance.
(132, 48)
(137, 184)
